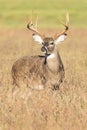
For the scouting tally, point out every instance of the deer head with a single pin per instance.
(49, 43)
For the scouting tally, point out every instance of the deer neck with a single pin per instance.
(54, 61)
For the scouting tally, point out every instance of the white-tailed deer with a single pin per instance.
(38, 72)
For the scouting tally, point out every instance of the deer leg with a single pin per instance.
(57, 86)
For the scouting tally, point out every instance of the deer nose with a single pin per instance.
(44, 49)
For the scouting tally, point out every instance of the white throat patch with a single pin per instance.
(51, 56)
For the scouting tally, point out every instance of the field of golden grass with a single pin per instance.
(64, 109)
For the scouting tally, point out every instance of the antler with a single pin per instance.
(30, 27)
(66, 26)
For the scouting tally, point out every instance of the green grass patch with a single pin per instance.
(15, 14)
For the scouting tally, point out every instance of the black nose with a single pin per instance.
(43, 49)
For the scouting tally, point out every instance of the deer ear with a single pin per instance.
(37, 38)
(60, 39)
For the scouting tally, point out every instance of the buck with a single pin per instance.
(38, 72)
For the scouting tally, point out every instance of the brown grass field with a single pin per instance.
(64, 109)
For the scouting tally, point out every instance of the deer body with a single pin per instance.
(34, 73)
(38, 72)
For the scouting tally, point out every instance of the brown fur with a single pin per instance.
(33, 72)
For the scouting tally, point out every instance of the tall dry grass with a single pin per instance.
(28, 109)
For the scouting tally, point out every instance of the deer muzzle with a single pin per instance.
(44, 49)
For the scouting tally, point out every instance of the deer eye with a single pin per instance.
(51, 43)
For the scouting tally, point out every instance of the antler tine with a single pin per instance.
(36, 21)
(66, 25)
(67, 18)
(30, 27)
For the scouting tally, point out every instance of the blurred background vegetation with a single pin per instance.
(16, 13)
